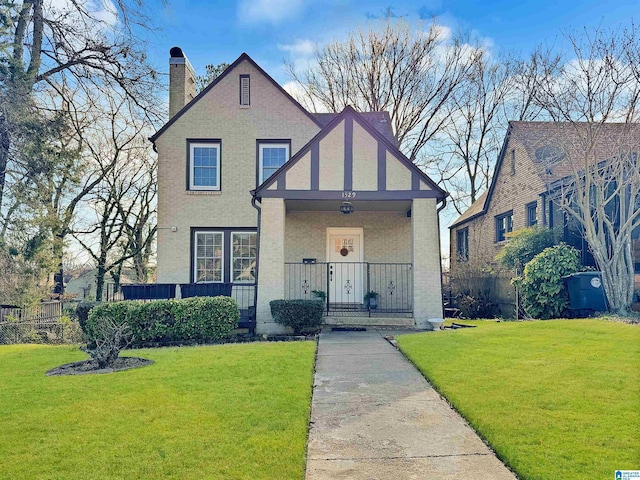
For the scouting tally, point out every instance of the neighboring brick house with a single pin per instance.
(250, 184)
(532, 158)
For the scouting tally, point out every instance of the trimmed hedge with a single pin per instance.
(192, 320)
(303, 316)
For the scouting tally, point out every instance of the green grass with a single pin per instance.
(221, 412)
(555, 399)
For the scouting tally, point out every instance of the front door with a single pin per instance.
(346, 270)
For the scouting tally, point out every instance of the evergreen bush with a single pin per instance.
(303, 316)
(190, 320)
(544, 294)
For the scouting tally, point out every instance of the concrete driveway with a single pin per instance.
(375, 417)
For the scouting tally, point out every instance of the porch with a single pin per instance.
(353, 289)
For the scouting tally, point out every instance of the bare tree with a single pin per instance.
(464, 152)
(409, 73)
(123, 202)
(59, 61)
(595, 175)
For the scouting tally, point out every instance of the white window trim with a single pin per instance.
(194, 145)
(241, 232)
(261, 146)
(195, 254)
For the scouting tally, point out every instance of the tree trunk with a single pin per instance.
(617, 278)
(101, 271)
(58, 252)
(4, 155)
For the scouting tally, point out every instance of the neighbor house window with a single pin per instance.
(462, 244)
(243, 261)
(513, 162)
(208, 258)
(532, 214)
(271, 156)
(204, 165)
(504, 225)
(245, 90)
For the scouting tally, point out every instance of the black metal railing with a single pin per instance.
(353, 287)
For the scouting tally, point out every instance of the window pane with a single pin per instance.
(208, 257)
(244, 256)
(272, 157)
(204, 166)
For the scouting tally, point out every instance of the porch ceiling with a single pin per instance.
(358, 206)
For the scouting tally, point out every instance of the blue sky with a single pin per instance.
(271, 30)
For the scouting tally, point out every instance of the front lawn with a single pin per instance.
(220, 412)
(555, 399)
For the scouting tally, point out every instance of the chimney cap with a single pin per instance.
(176, 52)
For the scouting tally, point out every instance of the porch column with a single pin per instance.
(271, 266)
(427, 282)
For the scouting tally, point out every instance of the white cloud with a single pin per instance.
(268, 11)
(303, 48)
(102, 13)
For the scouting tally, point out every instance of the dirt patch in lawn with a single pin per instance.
(91, 366)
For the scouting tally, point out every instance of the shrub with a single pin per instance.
(303, 316)
(110, 338)
(197, 319)
(523, 245)
(475, 290)
(481, 306)
(82, 312)
(543, 292)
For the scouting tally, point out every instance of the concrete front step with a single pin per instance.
(370, 321)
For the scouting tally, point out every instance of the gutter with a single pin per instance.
(440, 208)
(257, 267)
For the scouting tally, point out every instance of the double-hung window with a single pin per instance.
(271, 156)
(504, 225)
(208, 258)
(204, 165)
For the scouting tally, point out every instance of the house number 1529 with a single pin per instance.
(348, 194)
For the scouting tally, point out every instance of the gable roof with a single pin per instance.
(476, 209)
(541, 139)
(349, 112)
(381, 121)
(227, 71)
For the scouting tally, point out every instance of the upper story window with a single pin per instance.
(504, 225)
(204, 165)
(245, 90)
(462, 244)
(532, 214)
(271, 156)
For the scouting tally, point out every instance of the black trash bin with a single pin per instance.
(586, 292)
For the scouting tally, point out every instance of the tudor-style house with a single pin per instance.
(257, 193)
(533, 161)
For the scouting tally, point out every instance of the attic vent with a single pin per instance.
(245, 90)
(549, 154)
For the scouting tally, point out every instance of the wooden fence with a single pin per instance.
(43, 312)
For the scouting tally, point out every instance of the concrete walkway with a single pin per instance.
(375, 417)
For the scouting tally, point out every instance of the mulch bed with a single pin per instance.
(86, 367)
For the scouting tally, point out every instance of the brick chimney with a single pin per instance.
(182, 81)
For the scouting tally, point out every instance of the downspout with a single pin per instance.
(256, 269)
(440, 208)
